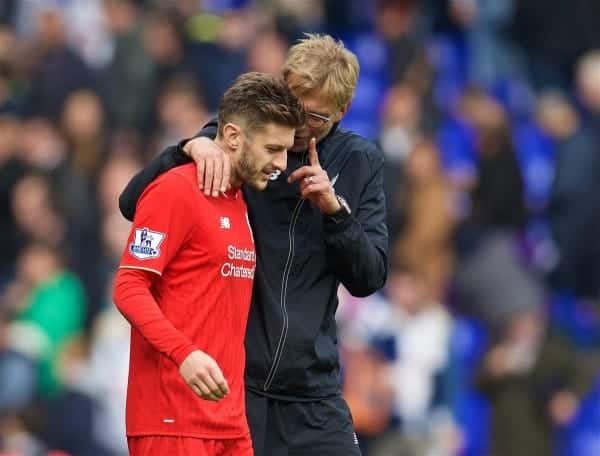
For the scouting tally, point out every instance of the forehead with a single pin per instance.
(275, 134)
(316, 101)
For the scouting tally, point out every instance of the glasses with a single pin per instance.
(316, 120)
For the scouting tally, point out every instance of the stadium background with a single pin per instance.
(488, 113)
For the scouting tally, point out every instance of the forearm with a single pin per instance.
(359, 261)
(357, 247)
(171, 157)
(134, 300)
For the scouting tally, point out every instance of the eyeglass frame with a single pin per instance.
(315, 115)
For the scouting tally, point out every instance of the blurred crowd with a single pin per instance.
(485, 338)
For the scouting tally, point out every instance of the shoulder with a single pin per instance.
(179, 182)
(358, 147)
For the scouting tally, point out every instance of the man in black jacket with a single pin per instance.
(319, 224)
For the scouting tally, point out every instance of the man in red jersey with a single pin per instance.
(185, 284)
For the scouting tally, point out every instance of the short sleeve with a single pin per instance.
(161, 226)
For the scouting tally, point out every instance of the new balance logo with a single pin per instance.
(224, 223)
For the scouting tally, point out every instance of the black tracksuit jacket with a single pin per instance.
(302, 256)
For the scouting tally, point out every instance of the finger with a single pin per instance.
(313, 156)
(205, 391)
(224, 387)
(310, 180)
(226, 173)
(219, 379)
(314, 189)
(303, 172)
(200, 167)
(208, 176)
(206, 397)
(212, 385)
(217, 177)
(197, 390)
(198, 385)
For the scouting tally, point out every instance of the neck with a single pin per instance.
(234, 180)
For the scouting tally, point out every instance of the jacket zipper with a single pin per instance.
(283, 295)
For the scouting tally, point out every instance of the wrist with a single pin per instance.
(333, 207)
(342, 213)
(184, 147)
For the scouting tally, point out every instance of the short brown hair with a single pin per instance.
(318, 62)
(257, 99)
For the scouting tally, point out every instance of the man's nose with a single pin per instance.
(280, 162)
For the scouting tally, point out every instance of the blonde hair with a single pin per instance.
(318, 62)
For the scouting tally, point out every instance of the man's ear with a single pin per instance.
(342, 112)
(232, 135)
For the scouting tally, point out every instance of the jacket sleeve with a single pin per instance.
(357, 247)
(171, 157)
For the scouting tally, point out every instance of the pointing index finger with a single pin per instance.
(313, 156)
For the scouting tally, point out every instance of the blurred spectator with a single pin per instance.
(493, 283)
(52, 311)
(400, 132)
(534, 381)
(295, 18)
(17, 439)
(497, 199)
(164, 44)
(18, 373)
(411, 329)
(89, 88)
(8, 10)
(267, 53)
(110, 347)
(424, 241)
(577, 176)
(35, 211)
(58, 70)
(68, 217)
(218, 58)
(88, 31)
(553, 35)
(11, 170)
(83, 127)
(131, 74)
(397, 22)
(112, 179)
(181, 111)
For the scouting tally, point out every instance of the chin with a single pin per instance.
(258, 184)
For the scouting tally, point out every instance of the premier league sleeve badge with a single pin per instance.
(146, 244)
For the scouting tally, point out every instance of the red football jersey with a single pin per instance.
(203, 250)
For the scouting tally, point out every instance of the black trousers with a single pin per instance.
(282, 428)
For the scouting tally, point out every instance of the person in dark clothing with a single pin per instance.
(318, 225)
(534, 381)
(59, 71)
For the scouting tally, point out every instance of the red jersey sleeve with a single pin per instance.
(161, 226)
(133, 299)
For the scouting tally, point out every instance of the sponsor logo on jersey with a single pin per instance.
(224, 223)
